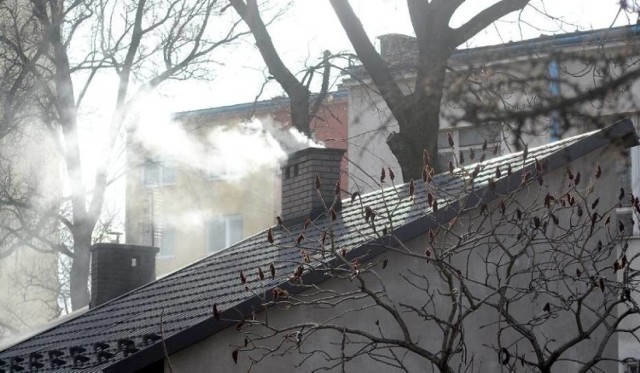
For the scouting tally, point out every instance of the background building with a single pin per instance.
(191, 210)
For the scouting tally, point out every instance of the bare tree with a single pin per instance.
(62, 46)
(418, 84)
(303, 105)
(538, 277)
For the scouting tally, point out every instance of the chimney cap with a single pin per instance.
(121, 246)
(311, 150)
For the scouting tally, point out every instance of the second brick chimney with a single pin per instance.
(300, 199)
(117, 269)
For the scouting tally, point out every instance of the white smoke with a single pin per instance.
(235, 149)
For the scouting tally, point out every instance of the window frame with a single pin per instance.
(164, 167)
(173, 240)
(228, 221)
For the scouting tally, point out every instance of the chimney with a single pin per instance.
(300, 199)
(117, 269)
(397, 43)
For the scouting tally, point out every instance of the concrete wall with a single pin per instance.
(481, 328)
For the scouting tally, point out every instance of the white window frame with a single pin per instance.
(227, 220)
(445, 149)
(162, 166)
(161, 254)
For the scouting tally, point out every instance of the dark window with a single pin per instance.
(631, 365)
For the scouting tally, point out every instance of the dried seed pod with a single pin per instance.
(382, 175)
(337, 189)
(411, 188)
(216, 313)
(279, 220)
(498, 173)
(392, 176)
(426, 158)
(272, 269)
(260, 274)
(318, 184)
(300, 239)
(547, 307)
(576, 180)
(450, 139)
(270, 236)
(547, 200)
(505, 356)
(243, 279)
(472, 154)
(525, 152)
(385, 261)
(234, 355)
(368, 213)
(354, 195)
(598, 171)
(476, 172)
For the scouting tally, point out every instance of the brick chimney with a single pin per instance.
(300, 199)
(397, 43)
(117, 269)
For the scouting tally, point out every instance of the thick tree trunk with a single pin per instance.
(419, 122)
(79, 277)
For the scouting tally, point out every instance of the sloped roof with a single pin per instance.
(182, 302)
(257, 107)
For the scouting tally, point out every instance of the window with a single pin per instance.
(631, 365)
(167, 243)
(466, 140)
(158, 173)
(223, 232)
(219, 169)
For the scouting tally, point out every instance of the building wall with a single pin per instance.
(480, 329)
(371, 122)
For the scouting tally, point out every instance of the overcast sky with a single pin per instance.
(310, 26)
